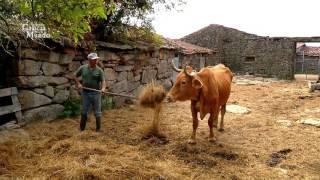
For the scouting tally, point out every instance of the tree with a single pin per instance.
(131, 19)
(119, 19)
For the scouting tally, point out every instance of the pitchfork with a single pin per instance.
(115, 94)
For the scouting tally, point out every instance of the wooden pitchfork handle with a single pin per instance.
(115, 94)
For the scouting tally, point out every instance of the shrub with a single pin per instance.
(107, 103)
(71, 108)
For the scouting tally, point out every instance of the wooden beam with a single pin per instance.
(8, 91)
(9, 109)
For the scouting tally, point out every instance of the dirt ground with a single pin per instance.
(267, 143)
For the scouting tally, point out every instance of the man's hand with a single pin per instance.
(79, 86)
(103, 90)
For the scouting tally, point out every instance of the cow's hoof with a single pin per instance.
(221, 129)
(212, 139)
(192, 141)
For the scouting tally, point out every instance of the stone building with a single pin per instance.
(42, 75)
(193, 55)
(248, 53)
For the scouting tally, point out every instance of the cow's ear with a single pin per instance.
(197, 83)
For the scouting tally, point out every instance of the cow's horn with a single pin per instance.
(189, 73)
(174, 67)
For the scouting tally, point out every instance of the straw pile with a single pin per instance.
(152, 96)
(7, 154)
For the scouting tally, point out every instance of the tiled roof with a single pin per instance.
(309, 51)
(187, 48)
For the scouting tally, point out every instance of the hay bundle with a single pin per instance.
(8, 155)
(152, 95)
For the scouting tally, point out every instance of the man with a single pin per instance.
(92, 77)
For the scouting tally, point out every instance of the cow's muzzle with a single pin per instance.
(169, 98)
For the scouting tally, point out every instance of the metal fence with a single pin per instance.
(307, 65)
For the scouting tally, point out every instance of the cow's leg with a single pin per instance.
(223, 111)
(215, 120)
(212, 118)
(195, 122)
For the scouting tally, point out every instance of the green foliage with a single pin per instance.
(71, 108)
(132, 16)
(68, 18)
(107, 103)
(123, 20)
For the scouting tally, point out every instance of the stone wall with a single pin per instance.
(43, 76)
(198, 61)
(248, 53)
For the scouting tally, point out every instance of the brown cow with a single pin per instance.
(208, 90)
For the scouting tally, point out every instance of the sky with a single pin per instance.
(274, 18)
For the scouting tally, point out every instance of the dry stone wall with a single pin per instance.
(43, 76)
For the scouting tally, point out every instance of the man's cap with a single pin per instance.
(93, 56)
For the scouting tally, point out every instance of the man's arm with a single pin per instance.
(76, 79)
(103, 81)
(104, 86)
(78, 84)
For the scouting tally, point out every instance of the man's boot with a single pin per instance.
(83, 122)
(98, 123)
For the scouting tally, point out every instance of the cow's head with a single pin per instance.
(187, 86)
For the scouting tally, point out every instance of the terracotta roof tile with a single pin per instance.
(187, 48)
(309, 51)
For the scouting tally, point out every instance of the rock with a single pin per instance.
(54, 57)
(137, 78)
(119, 87)
(74, 94)
(29, 67)
(63, 86)
(122, 76)
(49, 91)
(119, 101)
(29, 99)
(127, 57)
(110, 74)
(56, 80)
(66, 58)
(313, 86)
(39, 91)
(148, 75)
(108, 56)
(130, 76)
(167, 84)
(237, 109)
(35, 54)
(123, 68)
(50, 69)
(48, 113)
(310, 121)
(152, 61)
(285, 123)
(31, 81)
(39, 81)
(162, 67)
(61, 96)
(133, 85)
(74, 65)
